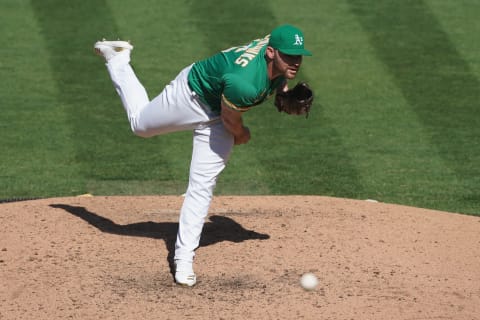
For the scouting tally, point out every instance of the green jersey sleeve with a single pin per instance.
(241, 95)
(237, 77)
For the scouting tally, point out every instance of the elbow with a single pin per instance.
(227, 122)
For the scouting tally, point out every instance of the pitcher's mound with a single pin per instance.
(108, 258)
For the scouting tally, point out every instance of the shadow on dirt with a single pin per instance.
(218, 229)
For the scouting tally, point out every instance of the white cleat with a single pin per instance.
(184, 274)
(109, 49)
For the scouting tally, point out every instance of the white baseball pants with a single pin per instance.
(178, 108)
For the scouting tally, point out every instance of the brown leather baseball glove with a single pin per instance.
(295, 101)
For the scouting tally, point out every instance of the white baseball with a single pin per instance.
(309, 281)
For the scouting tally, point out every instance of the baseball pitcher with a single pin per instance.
(209, 97)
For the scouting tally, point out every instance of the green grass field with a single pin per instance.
(396, 116)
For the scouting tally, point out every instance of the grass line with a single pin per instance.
(69, 31)
(105, 147)
(435, 80)
(396, 114)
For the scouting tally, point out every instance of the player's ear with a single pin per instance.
(270, 53)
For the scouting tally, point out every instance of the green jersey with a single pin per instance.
(238, 76)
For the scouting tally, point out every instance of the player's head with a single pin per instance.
(286, 50)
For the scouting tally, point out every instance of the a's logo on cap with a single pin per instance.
(298, 40)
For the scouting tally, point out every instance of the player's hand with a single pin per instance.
(243, 138)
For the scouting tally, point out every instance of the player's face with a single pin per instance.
(287, 65)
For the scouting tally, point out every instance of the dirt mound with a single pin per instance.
(109, 258)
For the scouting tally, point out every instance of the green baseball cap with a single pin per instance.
(288, 40)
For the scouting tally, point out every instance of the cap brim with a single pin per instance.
(296, 52)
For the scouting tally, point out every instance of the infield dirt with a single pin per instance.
(109, 258)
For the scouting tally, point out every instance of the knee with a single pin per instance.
(140, 131)
(199, 196)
